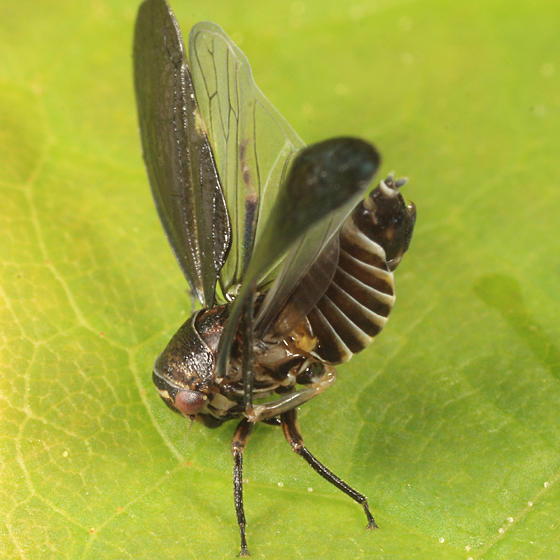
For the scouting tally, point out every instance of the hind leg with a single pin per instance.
(293, 435)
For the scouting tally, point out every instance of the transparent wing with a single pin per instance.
(323, 184)
(252, 143)
(181, 169)
(303, 278)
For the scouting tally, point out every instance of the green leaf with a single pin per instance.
(449, 422)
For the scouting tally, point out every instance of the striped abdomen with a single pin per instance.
(361, 295)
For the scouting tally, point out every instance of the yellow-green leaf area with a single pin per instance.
(449, 422)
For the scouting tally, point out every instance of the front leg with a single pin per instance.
(289, 401)
(238, 443)
(247, 355)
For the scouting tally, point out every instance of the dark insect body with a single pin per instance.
(293, 269)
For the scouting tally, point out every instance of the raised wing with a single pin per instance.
(183, 176)
(307, 270)
(324, 182)
(304, 276)
(253, 144)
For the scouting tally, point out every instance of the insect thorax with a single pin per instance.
(189, 363)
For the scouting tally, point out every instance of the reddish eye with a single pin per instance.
(189, 402)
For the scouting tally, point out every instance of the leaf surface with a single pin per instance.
(449, 422)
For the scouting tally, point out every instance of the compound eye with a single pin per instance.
(189, 402)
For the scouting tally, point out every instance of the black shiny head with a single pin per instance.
(182, 371)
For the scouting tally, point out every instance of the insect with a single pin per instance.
(292, 267)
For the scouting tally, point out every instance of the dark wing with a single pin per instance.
(253, 144)
(306, 272)
(181, 168)
(323, 184)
